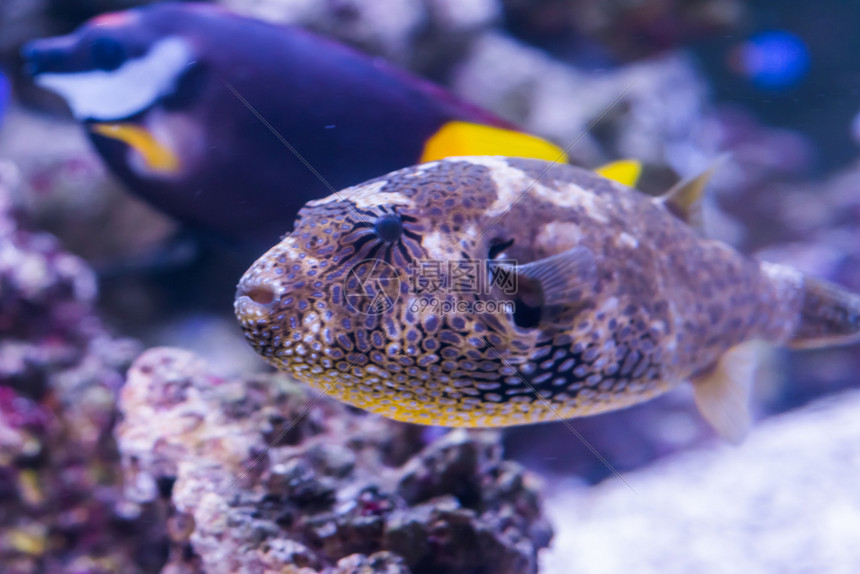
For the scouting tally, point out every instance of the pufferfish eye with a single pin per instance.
(107, 54)
(389, 227)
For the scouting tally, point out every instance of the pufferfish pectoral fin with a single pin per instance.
(723, 393)
(556, 280)
(684, 199)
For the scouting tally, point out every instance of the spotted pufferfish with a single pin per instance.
(618, 298)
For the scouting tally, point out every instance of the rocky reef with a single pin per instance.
(60, 371)
(256, 475)
(781, 502)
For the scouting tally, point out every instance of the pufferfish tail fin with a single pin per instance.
(723, 392)
(829, 315)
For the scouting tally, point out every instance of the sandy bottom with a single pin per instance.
(787, 501)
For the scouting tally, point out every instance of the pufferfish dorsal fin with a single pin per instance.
(684, 199)
(559, 279)
(723, 393)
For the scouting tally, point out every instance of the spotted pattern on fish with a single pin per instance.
(663, 307)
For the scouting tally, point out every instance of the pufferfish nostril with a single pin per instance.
(259, 293)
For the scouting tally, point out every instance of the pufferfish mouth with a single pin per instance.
(255, 297)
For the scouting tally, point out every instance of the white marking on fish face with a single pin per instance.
(515, 186)
(572, 195)
(369, 198)
(557, 236)
(511, 186)
(364, 196)
(434, 244)
(490, 161)
(130, 89)
(421, 169)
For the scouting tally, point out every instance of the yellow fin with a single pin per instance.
(723, 393)
(464, 138)
(624, 171)
(157, 157)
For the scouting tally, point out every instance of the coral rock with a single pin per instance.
(59, 374)
(258, 475)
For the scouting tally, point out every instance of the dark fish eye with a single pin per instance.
(107, 54)
(497, 247)
(389, 227)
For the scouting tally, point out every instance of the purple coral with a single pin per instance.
(59, 373)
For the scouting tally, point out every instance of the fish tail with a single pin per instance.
(829, 315)
(803, 313)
